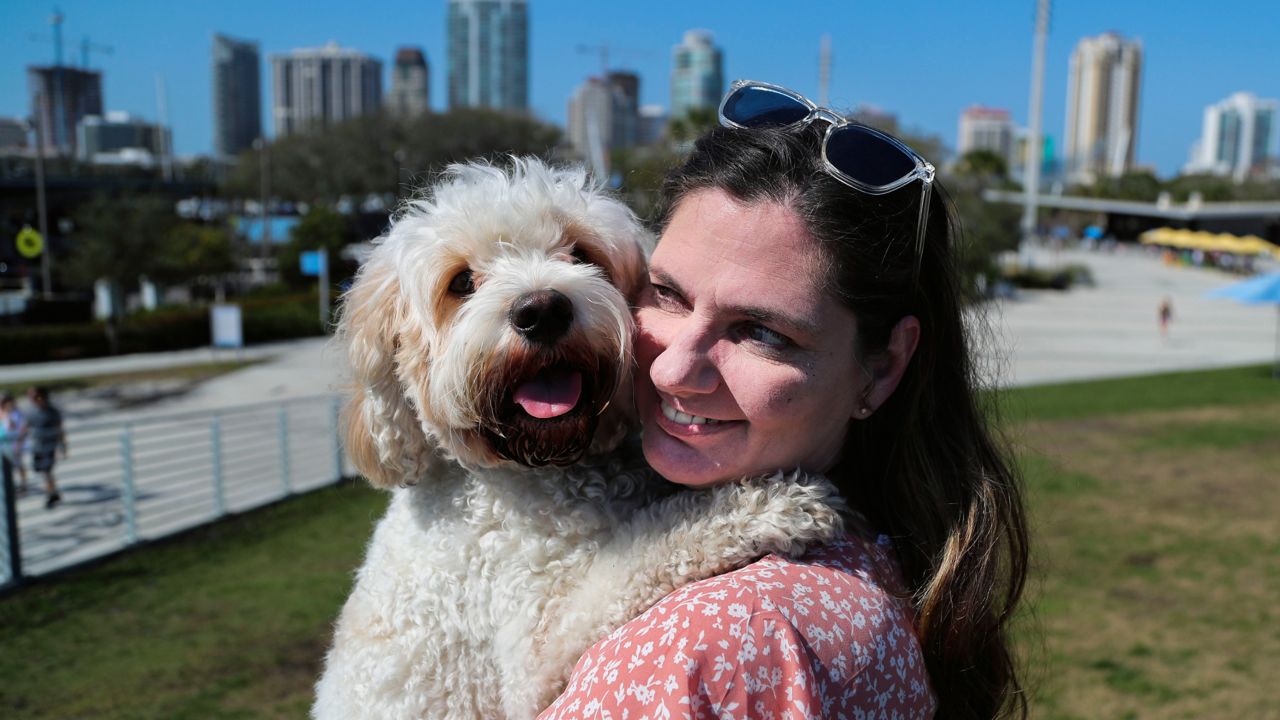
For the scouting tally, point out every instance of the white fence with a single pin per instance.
(128, 482)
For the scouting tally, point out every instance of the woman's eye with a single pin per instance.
(461, 284)
(763, 335)
(666, 298)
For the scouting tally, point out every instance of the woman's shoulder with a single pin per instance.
(821, 635)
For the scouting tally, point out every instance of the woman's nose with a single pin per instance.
(682, 365)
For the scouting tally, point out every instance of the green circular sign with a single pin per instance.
(29, 242)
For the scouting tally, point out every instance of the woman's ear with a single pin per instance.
(890, 365)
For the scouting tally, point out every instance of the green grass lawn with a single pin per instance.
(227, 621)
(1156, 575)
(1156, 545)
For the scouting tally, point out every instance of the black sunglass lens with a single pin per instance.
(761, 107)
(867, 157)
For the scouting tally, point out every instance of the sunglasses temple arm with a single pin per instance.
(926, 191)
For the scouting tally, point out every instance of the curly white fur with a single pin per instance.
(487, 579)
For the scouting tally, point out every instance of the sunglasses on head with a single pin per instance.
(861, 157)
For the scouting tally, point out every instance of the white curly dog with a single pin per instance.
(489, 335)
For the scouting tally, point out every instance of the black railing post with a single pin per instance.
(11, 521)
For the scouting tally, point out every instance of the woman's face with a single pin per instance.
(746, 363)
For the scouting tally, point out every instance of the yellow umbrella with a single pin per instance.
(1156, 236)
(1257, 245)
(1181, 238)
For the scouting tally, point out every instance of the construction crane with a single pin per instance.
(86, 47)
(604, 51)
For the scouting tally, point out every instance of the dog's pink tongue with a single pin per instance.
(551, 393)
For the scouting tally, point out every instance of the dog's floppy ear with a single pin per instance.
(380, 427)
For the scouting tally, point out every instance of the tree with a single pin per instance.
(195, 252)
(689, 127)
(982, 164)
(120, 240)
(320, 229)
(381, 154)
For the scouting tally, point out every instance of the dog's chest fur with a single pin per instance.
(478, 594)
(449, 608)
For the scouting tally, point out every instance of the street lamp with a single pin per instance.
(42, 215)
(264, 187)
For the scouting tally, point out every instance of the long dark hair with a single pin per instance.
(925, 468)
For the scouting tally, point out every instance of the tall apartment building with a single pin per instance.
(983, 128)
(1103, 97)
(604, 115)
(62, 96)
(697, 74)
(1238, 137)
(321, 86)
(120, 137)
(488, 51)
(237, 95)
(410, 93)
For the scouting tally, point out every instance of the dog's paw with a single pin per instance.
(785, 513)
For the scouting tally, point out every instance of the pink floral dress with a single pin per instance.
(827, 636)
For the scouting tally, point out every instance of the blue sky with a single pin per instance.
(923, 60)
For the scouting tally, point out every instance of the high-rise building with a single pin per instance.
(604, 115)
(237, 95)
(653, 124)
(410, 84)
(119, 137)
(13, 133)
(320, 86)
(697, 75)
(1238, 138)
(625, 129)
(61, 96)
(488, 48)
(983, 128)
(1103, 93)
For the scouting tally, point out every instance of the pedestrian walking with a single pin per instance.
(47, 438)
(13, 435)
(1165, 314)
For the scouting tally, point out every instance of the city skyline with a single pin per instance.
(943, 61)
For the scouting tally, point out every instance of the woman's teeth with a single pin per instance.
(676, 416)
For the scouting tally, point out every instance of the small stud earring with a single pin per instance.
(865, 411)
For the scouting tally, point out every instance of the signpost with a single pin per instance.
(30, 243)
(315, 263)
(226, 327)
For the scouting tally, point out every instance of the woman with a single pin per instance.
(805, 311)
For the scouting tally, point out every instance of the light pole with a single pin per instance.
(264, 186)
(1031, 167)
(42, 214)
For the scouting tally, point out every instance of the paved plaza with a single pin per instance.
(1111, 329)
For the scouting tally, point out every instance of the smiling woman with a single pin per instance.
(747, 360)
(803, 311)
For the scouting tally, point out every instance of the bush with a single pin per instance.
(265, 320)
(1055, 278)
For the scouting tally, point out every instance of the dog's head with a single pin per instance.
(492, 324)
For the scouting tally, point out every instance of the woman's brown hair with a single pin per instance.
(926, 468)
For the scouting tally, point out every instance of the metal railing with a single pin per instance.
(143, 478)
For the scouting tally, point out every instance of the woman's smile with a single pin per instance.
(744, 359)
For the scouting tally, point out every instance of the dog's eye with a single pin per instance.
(581, 256)
(461, 283)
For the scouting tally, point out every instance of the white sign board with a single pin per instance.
(225, 325)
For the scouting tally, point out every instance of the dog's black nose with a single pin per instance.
(542, 316)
